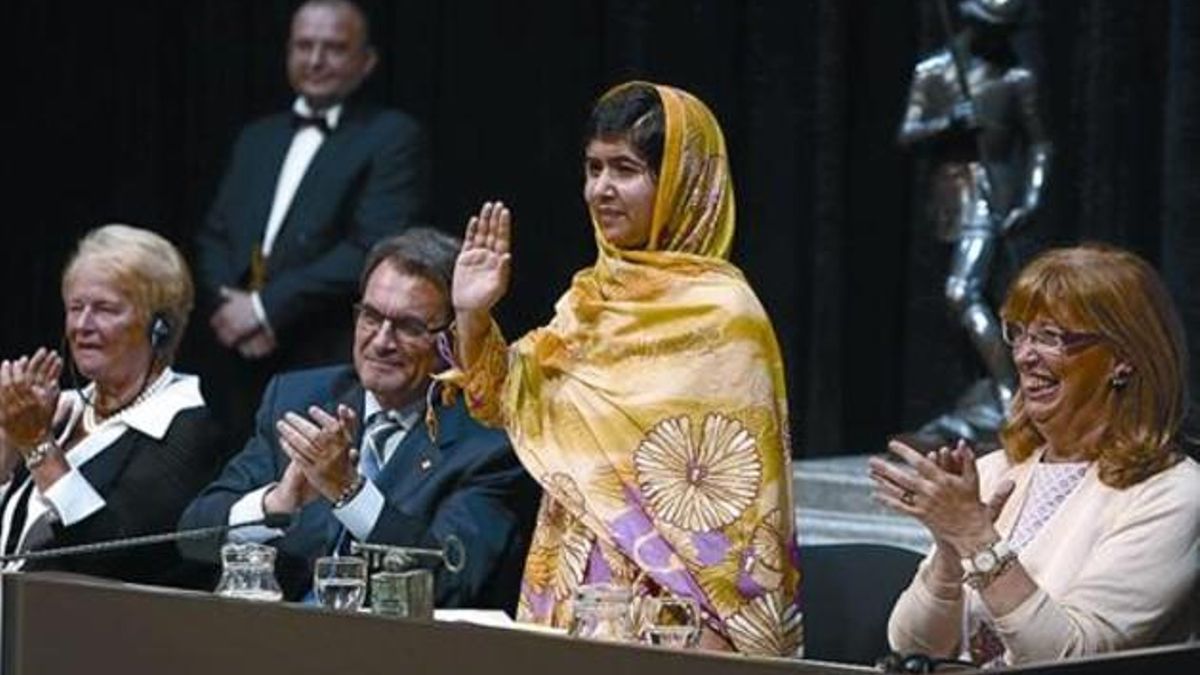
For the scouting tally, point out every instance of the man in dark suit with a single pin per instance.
(402, 480)
(305, 195)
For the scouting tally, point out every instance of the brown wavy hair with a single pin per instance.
(1112, 292)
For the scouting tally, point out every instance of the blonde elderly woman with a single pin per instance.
(1080, 535)
(124, 454)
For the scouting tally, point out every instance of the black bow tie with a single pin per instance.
(301, 121)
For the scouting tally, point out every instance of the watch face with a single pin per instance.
(985, 561)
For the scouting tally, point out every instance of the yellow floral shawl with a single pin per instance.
(652, 411)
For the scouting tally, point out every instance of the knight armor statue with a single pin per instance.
(972, 106)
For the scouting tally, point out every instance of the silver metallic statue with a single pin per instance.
(972, 106)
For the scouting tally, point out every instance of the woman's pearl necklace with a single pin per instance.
(92, 420)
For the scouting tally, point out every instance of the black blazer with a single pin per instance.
(474, 488)
(146, 483)
(368, 180)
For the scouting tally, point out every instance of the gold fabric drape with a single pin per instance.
(652, 411)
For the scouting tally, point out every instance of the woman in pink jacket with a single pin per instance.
(1080, 535)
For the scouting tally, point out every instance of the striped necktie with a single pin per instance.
(383, 427)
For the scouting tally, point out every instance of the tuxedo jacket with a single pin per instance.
(146, 482)
(368, 180)
(466, 482)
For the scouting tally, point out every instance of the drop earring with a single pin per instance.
(1120, 377)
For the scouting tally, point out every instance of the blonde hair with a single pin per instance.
(1114, 293)
(147, 268)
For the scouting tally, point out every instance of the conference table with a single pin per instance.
(62, 624)
(54, 624)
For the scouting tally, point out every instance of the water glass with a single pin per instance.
(340, 582)
(669, 621)
(601, 612)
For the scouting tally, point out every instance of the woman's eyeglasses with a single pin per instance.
(1046, 339)
(408, 328)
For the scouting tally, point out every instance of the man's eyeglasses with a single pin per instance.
(402, 327)
(1047, 339)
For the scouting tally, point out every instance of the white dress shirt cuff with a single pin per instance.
(360, 514)
(249, 508)
(260, 312)
(73, 498)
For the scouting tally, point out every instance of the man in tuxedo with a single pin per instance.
(305, 195)
(365, 453)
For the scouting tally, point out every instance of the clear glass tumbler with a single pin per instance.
(669, 621)
(340, 582)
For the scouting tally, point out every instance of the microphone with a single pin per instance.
(278, 521)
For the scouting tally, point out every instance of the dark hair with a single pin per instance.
(418, 251)
(634, 113)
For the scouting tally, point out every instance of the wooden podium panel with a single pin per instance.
(57, 624)
(1169, 659)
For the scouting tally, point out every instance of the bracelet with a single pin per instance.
(982, 581)
(350, 491)
(983, 567)
(38, 454)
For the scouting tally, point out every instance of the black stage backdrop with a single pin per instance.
(123, 111)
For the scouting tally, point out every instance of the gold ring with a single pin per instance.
(909, 497)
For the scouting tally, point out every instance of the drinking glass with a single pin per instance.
(601, 612)
(340, 582)
(669, 621)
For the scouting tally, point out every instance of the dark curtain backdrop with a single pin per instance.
(123, 111)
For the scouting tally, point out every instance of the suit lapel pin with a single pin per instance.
(426, 464)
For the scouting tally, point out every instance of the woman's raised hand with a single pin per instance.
(29, 396)
(481, 271)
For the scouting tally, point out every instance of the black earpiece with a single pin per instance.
(160, 332)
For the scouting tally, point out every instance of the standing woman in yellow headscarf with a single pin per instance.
(652, 407)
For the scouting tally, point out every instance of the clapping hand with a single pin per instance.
(292, 493)
(481, 271)
(320, 446)
(29, 397)
(940, 489)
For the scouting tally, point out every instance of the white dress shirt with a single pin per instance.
(305, 144)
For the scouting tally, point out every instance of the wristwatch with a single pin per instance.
(985, 565)
(35, 457)
(350, 491)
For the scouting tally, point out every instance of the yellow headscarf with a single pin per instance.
(694, 207)
(652, 410)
